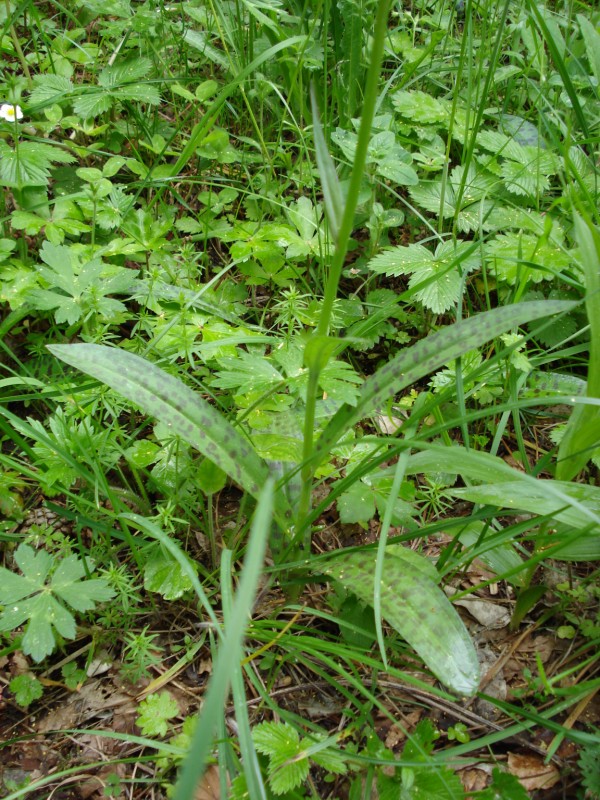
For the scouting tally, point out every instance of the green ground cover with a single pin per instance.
(299, 398)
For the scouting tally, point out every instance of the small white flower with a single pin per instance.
(10, 112)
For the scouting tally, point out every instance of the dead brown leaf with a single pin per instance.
(93, 699)
(474, 779)
(531, 771)
(210, 786)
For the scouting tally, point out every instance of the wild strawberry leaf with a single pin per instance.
(436, 277)
(31, 164)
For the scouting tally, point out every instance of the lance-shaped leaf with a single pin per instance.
(431, 353)
(575, 504)
(582, 435)
(418, 609)
(180, 408)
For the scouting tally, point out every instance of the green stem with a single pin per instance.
(17, 44)
(339, 256)
(360, 159)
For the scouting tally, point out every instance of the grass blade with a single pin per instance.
(230, 653)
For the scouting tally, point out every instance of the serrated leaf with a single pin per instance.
(181, 409)
(83, 595)
(271, 738)
(246, 373)
(155, 712)
(504, 786)
(163, 574)
(128, 71)
(435, 276)
(30, 165)
(421, 107)
(93, 103)
(50, 89)
(520, 256)
(288, 768)
(141, 93)
(460, 193)
(434, 783)
(357, 504)
(26, 689)
(418, 609)
(30, 597)
(285, 776)
(330, 759)
(394, 170)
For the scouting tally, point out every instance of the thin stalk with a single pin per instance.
(339, 256)
(360, 158)
(17, 44)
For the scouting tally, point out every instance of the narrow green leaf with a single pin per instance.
(582, 434)
(230, 651)
(419, 610)
(332, 192)
(172, 402)
(318, 350)
(575, 504)
(431, 353)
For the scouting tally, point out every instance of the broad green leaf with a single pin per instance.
(93, 103)
(30, 597)
(7, 245)
(422, 107)
(520, 256)
(29, 165)
(26, 689)
(184, 411)
(431, 353)
(271, 738)
(164, 575)
(575, 504)
(142, 93)
(50, 89)
(126, 72)
(357, 504)
(396, 171)
(418, 609)
(464, 191)
(210, 477)
(582, 435)
(155, 712)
